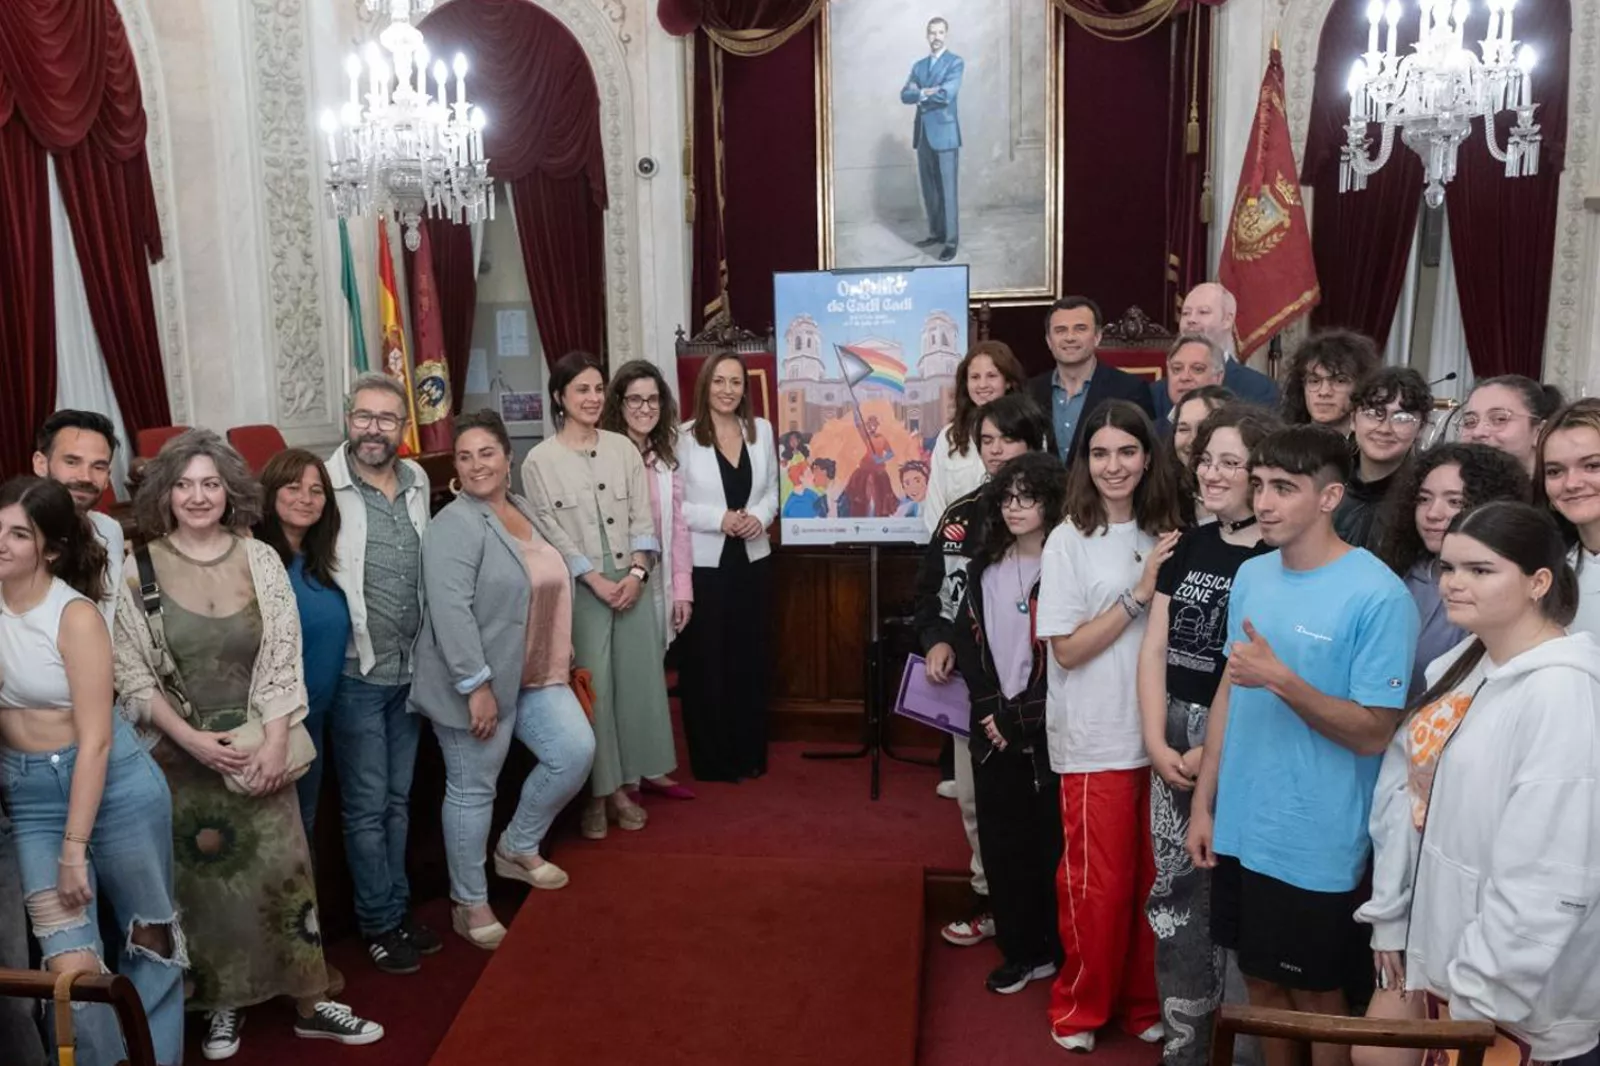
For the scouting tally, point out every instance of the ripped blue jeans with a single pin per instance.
(130, 870)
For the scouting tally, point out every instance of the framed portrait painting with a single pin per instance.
(937, 130)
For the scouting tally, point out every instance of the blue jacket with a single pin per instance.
(1242, 381)
(937, 116)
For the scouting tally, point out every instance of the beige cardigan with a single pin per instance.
(277, 681)
(562, 487)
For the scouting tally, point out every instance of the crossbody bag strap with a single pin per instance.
(150, 599)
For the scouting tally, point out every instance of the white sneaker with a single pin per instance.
(1155, 1034)
(945, 790)
(1081, 1042)
(969, 931)
(222, 1034)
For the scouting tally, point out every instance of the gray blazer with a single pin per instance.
(474, 627)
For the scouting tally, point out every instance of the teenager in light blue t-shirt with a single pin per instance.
(1320, 641)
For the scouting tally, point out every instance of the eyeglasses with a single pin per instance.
(1226, 466)
(1499, 418)
(1397, 419)
(385, 421)
(1019, 500)
(642, 403)
(1318, 382)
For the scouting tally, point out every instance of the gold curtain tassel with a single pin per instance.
(1191, 134)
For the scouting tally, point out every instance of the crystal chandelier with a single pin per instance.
(407, 154)
(1433, 94)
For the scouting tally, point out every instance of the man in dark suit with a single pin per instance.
(933, 87)
(1070, 393)
(1210, 309)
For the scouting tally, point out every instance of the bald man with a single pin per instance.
(1210, 309)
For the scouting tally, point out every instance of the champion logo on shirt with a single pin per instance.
(1303, 631)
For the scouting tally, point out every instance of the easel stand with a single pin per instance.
(874, 741)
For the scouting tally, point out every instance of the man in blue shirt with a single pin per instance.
(933, 88)
(1321, 637)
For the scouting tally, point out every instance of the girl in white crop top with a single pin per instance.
(88, 805)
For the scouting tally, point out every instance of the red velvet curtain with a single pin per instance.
(1361, 240)
(69, 87)
(1503, 230)
(458, 298)
(27, 306)
(543, 140)
(1190, 197)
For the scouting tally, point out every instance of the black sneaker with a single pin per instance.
(335, 1021)
(425, 940)
(392, 953)
(1012, 977)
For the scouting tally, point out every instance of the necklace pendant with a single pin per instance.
(1022, 606)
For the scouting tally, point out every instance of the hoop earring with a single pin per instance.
(454, 486)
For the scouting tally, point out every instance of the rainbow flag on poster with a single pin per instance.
(872, 367)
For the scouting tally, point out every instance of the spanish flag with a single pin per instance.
(395, 362)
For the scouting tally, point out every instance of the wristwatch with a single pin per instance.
(641, 573)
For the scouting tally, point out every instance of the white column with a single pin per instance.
(1447, 347)
(1240, 46)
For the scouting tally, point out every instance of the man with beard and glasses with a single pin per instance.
(383, 509)
(75, 448)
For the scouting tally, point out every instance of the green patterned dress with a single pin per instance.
(243, 868)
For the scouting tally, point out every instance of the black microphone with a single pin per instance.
(1448, 377)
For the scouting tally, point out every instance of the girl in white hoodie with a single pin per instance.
(1486, 822)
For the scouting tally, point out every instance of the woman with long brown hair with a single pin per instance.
(1098, 579)
(640, 405)
(730, 497)
(988, 372)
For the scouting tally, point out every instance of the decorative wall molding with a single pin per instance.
(283, 143)
(168, 273)
(1302, 32)
(1562, 354)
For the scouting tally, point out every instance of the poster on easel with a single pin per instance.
(866, 379)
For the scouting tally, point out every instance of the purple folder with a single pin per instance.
(945, 707)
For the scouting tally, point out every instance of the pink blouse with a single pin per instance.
(681, 564)
(547, 657)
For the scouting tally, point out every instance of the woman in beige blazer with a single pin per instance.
(590, 500)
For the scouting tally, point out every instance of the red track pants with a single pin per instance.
(1104, 878)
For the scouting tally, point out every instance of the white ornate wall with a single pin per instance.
(1245, 29)
(252, 314)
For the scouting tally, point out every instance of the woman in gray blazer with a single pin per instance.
(493, 662)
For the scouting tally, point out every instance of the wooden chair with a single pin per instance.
(65, 989)
(1470, 1039)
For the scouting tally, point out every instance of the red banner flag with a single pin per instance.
(432, 376)
(1266, 256)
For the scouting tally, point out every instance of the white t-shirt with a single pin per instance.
(1588, 616)
(110, 533)
(1092, 711)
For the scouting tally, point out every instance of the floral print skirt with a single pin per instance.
(244, 886)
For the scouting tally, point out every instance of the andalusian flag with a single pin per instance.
(395, 362)
(352, 299)
(863, 365)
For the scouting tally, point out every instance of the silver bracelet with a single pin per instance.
(1130, 604)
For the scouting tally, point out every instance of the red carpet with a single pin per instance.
(704, 960)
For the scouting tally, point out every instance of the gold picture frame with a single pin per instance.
(989, 284)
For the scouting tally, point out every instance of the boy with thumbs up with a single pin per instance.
(1320, 640)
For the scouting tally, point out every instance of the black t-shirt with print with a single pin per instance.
(1198, 578)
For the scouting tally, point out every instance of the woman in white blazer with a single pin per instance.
(728, 460)
(640, 405)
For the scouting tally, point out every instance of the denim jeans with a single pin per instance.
(551, 724)
(19, 1031)
(130, 868)
(375, 751)
(309, 786)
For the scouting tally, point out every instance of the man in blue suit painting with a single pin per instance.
(932, 88)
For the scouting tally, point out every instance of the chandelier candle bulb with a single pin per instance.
(1392, 19)
(461, 79)
(1374, 16)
